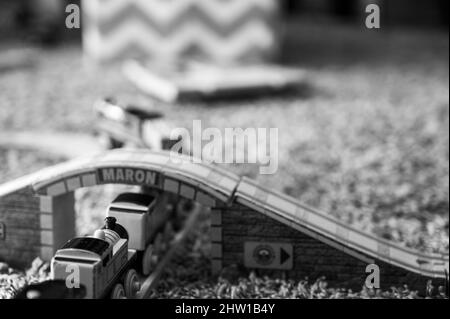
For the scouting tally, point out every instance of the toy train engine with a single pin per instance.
(105, 263)
(100, 263)
(119, 125)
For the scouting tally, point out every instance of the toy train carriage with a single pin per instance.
(100, 262)
(146, 220)
(136, 213)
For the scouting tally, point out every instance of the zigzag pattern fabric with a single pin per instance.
(214, 30)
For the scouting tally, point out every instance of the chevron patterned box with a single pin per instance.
(223, 31)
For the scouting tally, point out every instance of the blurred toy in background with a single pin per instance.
(196, 80)
(201, 49)
(211, 30)
(132, 125)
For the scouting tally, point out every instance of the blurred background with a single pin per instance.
(368, 143)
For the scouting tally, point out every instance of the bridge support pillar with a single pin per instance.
(57, 222)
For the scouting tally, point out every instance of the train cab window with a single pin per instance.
(94, 245)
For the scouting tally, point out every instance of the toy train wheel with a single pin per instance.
(132, 284)
(149, 259)
(118, 292)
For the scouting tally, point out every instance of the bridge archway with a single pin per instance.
(169, 173)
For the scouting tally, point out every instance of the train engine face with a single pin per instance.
(95, 262)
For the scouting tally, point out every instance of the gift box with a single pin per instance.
(220, 31)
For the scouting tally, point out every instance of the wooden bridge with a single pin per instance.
(51, 213)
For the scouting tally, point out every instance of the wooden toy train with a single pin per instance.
(119, 125)
(107, 264)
